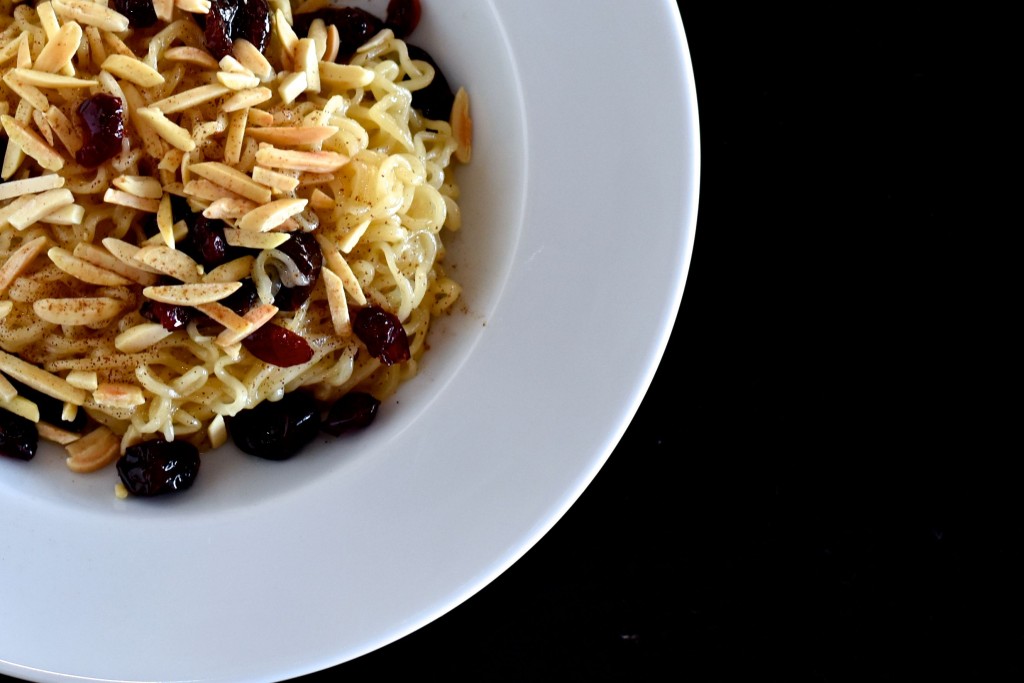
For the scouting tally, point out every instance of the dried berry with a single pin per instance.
(304, 251)
(155, 468)
(242, 299)
(382, 333)
(275, 345)
(140, 13)
(354, 410)
(19, 437)
(355, 27)
(435, 100)
(206, 242)
(171, 316)
(403, 16)
(102, 118)
(277, 431)
(229, 20)
(51, 410)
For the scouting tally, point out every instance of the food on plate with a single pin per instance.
(218, 219)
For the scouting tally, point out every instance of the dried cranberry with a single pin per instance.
(275, 345)
(354, 410)
(51, 410)
(229, 20)
(435, 100)
(171, 316)
(155, 468)
(383, 334)
(403, 16)
(140, 13)
(19, 437)
(304, 251)
(102, 117)
(244, 298)
(276, 431)
(206, 242)
(355, 27)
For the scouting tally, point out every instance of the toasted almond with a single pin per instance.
(83, 379)
(167, 129)
(233, 271)
(102, 258)
(237, 81)
(279, 183)
(140, 186)
(177, 264)
(21, 406)
(462, 126)
(296, 160)
(255, 240)
(39, 205)
(112, 196)
(28, 93)
(345, 76)
(95, 450)
(232, 179)
(338, 303)
(133, 70)
(16, 188)
(42, 79)
(271, 215)
(39, 379)
(292, 135)
(191, 55)
(195, 294)
(140, 337)
(33, 145)
(291, 86)
(228, 208)
(83, 270)
(71, 214)
(91, 14)
(88, 310)
(255, 318)
(20, 260)
(251, 58)
(244, 99)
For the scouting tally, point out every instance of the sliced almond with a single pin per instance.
(292, 135)
(171, 132)
(85, 271)
(140, 337)
(271, 215)
(255, 240)
(318, 34)
(94, 451)
(20, 260)
(315, 162)
(217, 432)
(112, 196)
(10, 50)
(39, 118)
(195, 294)
(16, 188)
(321, 200)
(235, 138)
(39, 379)
(177, 264)
(33, 145)
(332, 46)
(191, 55)
(285, 33)
(78, 311)
(232, 180)
(91, 14)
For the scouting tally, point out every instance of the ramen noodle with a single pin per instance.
(274, 144)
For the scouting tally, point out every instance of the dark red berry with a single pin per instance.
(206, 242)
(355, 27)
(140, 13)
(229, 20)
(102, 118)
(170, 316)
(304, 251)
(51, 410)
(403, 16)
(434, 101)
(155, 468)
(19, 437)
(275, 345)
(276, 431)
(354, 410)
(382, 333)
(244, 298)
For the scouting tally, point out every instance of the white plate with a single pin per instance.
(579, 208)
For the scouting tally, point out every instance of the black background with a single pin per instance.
(814, 488)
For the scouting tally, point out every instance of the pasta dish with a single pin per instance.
(217, 220)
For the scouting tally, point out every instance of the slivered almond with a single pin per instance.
(171, 132)
(56, 434)
(71, 214)
(140, 186)
(16, 188)
(194, 6)
(195, 294)
(232, 65)
(83, 379)
(133, 70)
(258, 117)
(318, 34)
(21, 406)
(337, 263)
(191, 55)
(64, 129)
(112, 196)
(28, 93)
(83, 270)
(140, 337)
(232, 180)
(250, 97)
(237, 81)
(104, 259)
(292, 135)
(306, 61)
(92, 14)
(235, 138)
(24, 56)
(116, 46)
(164, 10)
(321, 200)
(165, 220)
(338, 303)
(271, 215)
(117, 395)
(232, 271)
(20, 260)
(171, 161)
(126, 253)
(42, 79)
(255, 318)
(285, 33)
(5, 308)
(10, 50)
(345, 76)
(96, 50)
(251, 58)
(278, 182)
(152, 141)
(39, 379)
(89, 310)
(95, 450)
(39, 205)
(228, 208)
(217, 432)
(333, 43)
(33, 145)
(7, 390)
(462, 126)
(208, 191)
(315, 162)
(39, 118)
(177, 264)
(291, 86)
(187, 99)
(255, 240)
(225, 316)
